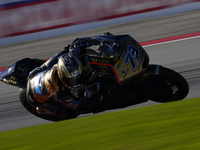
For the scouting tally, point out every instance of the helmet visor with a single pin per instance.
(72, 68)
(73, 83)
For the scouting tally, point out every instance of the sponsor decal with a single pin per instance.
(9, 81)
(116, 58)
(21, 69)
(102, 61)
(121, 60)
(13, 78)
(10, 69)
(125, 72)
(157, 69)
(94, 60)
(103, 68)
(119, 64)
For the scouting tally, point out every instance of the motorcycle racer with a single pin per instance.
(63, 78)
(69, 78)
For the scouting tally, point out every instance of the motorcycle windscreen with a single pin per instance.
(17, 73)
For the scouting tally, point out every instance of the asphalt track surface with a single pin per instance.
(181, 56)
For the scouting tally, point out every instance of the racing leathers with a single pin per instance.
(47, 93)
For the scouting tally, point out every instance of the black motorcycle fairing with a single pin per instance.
(17, 73)
(122, 58)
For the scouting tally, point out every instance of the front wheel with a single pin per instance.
(22, 96)
(171, 86)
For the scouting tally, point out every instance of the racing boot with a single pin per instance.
(48, 108)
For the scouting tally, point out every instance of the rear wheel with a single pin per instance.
(168, 86)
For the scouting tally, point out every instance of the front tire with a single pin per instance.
(22, 97)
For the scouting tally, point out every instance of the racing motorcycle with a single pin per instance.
(123, 62)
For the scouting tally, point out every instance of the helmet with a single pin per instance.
(70, 70)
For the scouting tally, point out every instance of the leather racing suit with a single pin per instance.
(45, 90)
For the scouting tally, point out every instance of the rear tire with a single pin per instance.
(173, 86)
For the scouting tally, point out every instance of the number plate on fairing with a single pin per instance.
(123, 63)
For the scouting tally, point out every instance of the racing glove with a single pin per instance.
(78, 45)
(93, 89)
